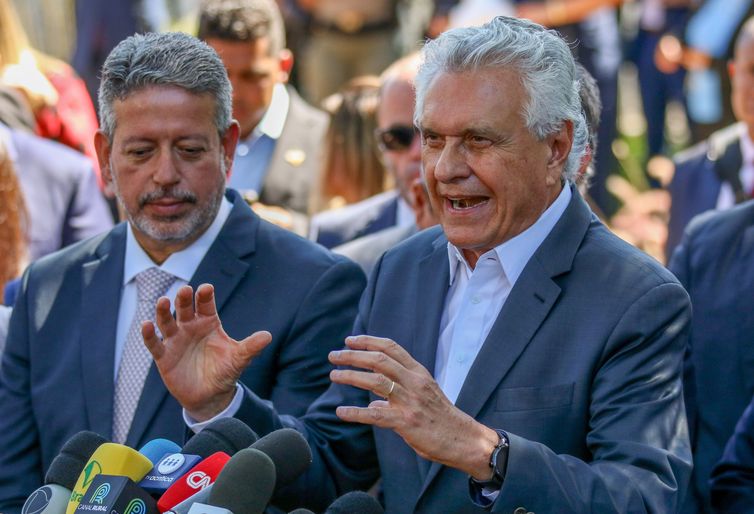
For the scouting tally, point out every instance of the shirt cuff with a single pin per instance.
(229, 412)
(482, 496)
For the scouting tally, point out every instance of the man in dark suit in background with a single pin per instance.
(714, 263)
(520, 352)
(74, 358)
(279, 154)
(719, 172)
(401, 154)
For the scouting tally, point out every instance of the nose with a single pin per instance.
(166, 171)
(451, 163)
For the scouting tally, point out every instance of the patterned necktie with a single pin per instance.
(136, 359)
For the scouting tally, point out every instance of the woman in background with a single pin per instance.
(352, 170)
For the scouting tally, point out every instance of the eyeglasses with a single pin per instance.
(397, 138)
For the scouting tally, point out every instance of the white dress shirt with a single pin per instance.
(181, 265)
(476, 296)
(726, 198)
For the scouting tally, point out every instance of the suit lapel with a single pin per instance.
(222, 267)
(526, 308)
(99, 319)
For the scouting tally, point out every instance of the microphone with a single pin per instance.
(289, 452)
(355, 502)
(108, 459)
(115, 494)
(245, 485)
(227, 435)
(156, 449)
(301, 511)
(199, 478)
(52, 498)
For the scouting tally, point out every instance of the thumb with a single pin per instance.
(250, 347)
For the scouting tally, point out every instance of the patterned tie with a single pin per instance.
(136, 359)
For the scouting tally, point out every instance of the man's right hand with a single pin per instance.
(199, 363)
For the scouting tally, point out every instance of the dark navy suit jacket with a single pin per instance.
(715, 262)
(582, 368)
(732, 483)
(700, 171)
(57, 370)
(339, 226)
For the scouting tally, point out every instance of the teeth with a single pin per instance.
(465, 203)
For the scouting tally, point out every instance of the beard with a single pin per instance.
(174, 229)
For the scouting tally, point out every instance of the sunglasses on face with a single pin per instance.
(397, 138)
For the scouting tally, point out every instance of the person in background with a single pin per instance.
(279, 154)
(719, 172)
(58, 98)
(352, 170)
(400, 150)
(13, 222)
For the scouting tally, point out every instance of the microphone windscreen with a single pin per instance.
(156, 449)
(245, 484)
(109, 459)
(227, 435)
(66, 467)
(353, 502)
(301, 511)
(289, 452)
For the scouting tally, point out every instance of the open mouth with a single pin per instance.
(466, 203)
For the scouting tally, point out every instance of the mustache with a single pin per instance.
(170, 194)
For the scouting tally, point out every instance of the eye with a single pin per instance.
(431, 140)
(138, 152)
(477, 141)
(192, 152)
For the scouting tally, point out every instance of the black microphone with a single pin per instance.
(52, 498)
(244, 486)
(355, 502)
(301, 511)
(227, 435)
(289, 452)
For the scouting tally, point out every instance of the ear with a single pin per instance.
(560, 146)
(229, 141)
(286, 64)
(104, 150)
(731, 68)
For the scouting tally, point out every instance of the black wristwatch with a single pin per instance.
(498, 464)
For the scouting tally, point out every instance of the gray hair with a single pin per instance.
(540, 56)
(166, 59)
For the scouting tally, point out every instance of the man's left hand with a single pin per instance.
(414, 407)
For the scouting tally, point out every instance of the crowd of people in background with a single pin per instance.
(332, 151)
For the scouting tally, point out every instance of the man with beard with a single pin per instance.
(75, 359)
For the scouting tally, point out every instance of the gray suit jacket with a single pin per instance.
(582, 368)
(297, 160)
(367, 250)
(57, 372)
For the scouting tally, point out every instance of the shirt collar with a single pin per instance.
(181, 264)
(516, 252)
(273, 121)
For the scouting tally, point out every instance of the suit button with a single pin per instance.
(520, 510)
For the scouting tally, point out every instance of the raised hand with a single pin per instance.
(414, 407)
(199, 363)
